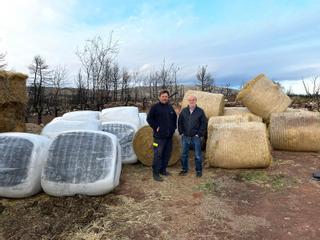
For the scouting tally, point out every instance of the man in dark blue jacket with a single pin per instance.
(192, 125)
(163, 120)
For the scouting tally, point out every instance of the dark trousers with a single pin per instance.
(162, 148)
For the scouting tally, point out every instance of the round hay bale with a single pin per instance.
(239, 145)
(295, 131)
(142, 145)
(229, 111)
(225, 119)
(263, 97)
(211, 103)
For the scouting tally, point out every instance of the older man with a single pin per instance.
(192, 125)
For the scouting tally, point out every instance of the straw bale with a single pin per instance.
(12, 117)
(13, 87)
(142, 145)
(211, 103)
(263, 97)
(295, 131)
(225, 119)
(239, 145)
(33, 128)
(229, 111)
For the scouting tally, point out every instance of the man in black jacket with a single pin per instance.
(192, 125)
(163, 120)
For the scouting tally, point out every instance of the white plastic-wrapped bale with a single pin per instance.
(55, 127)
(22, 156)
(143, 119)
(225, 119)
(82, 162)
(229, 111)
(295, 131)
(239, 145)
(124, 114)
(82, 115)
(124, 132)
(211, 103)
(263, 97)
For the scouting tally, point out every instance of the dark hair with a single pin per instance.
(164, 92)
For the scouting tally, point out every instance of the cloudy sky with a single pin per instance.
(237, 39)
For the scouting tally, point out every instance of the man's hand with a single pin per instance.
(158, 128)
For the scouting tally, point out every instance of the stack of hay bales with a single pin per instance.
(13, 99)
(239, 145)
(263, 97)
(213, 121)
(243, 111)
(211, 103)
(295, 131)
(142, 145)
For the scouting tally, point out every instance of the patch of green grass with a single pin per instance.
(209, 187)
(277, 182)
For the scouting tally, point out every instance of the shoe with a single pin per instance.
(183, 173)
(199, 174)
(157, 177)
(166, 173)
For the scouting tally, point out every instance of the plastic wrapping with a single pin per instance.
(22, 156)
(82, 162)
(55, 127)
(124, 132)
(143, 119)
(123, 114)
(82, 115)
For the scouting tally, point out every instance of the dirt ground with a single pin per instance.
(281, 202)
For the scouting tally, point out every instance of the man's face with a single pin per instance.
(164, 98)
(192, 101)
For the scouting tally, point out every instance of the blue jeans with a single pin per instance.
(186, 143)
(161, 154)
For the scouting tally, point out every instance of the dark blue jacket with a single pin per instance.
(162, 116)
(192, 124)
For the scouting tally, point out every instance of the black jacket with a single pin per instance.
(192, 124)
(162, 116)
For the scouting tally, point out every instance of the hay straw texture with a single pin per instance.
(13, 87)
(12, 117)
(263, 97)
(295, 131)
(211, 103)
(213, 121)
(33, 128)
(239, 145)
(142, 145)
(229, 111)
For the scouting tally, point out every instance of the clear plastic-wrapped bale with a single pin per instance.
(84, 115)
(128, 114)
(124, 132)
(59, 125)
(82, 162)
(22, 156)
